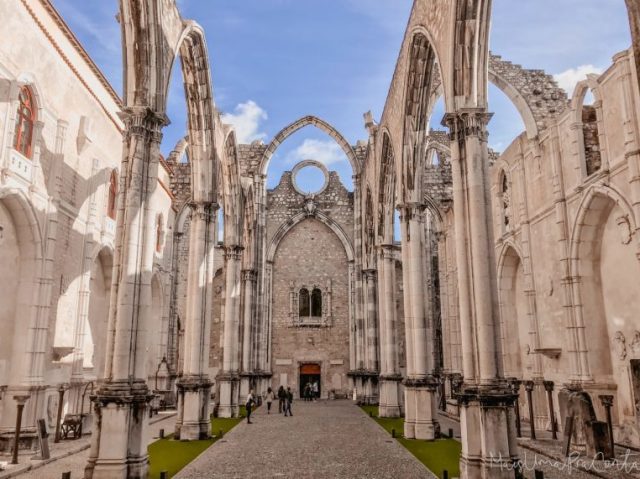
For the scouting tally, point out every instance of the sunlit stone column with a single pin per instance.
(420, 385)
(248, 287)
(389, 385)
(119, 445)
(371, 336)
(229, 378)
(194, 386)
(487, 419)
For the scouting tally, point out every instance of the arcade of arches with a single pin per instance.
(185, 281)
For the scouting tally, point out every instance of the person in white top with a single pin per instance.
(248, 405)
(269, 398)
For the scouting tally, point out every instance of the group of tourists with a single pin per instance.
(285, 398)
(311, 391)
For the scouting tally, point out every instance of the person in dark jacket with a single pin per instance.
(287, 403)
(282, 395)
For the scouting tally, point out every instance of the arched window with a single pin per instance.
(113, 193)
(25, 119)
(316, 303)
(304, 306)
(159, 233)
(591, 135)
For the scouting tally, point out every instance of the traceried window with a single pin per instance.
(25, 120)
(316, 303)
(113, 193)
(304, 304)
(310, 304)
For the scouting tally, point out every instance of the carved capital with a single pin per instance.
(370, 274)
(606, 400)
(467, 123)
(548, 385)
(249, 275)
(144, 122)
(233, 252)
(204, 211)
(387, 252)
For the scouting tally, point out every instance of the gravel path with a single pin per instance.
(326, 439)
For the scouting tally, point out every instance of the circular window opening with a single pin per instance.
(310, 178)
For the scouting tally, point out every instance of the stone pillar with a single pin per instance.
(120, 446)
(371, 335)
(487, 420)
(229, 377)
(420, 384)
(194, 387)
(389, 384)
(248, 287)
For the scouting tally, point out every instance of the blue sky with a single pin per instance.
(274, 61)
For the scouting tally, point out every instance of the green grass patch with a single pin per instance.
(437, 456)
(171, 456)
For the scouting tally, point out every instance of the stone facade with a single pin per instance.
(310, 256)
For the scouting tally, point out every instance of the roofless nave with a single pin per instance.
(515, 274)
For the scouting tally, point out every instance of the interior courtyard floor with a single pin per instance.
(324, 439)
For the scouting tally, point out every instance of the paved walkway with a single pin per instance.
(325, 439)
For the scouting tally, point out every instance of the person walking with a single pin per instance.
(269, 398)
(287, 404)
(282, 394)
(248, 405)
(315, 390)
(306, 392)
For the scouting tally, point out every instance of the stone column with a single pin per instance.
(420, 385)
(248, 287)
(487, 420)
(229, 377)
(389, 384)
(119, 449)
(194, 387)
(371, 335)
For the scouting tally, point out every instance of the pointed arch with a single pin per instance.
(295, 220)
(386, 190)
(322, 125)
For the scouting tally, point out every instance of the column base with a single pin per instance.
(123, 410)
(487, 423)
(193, 416)
(420, 407)
(389, 403)
(229, 395)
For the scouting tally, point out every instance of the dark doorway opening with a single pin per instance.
(310, 374)
(635, 379)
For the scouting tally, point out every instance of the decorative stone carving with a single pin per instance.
(635, 343)
(619, 344)
(624, 229)
(310, 207)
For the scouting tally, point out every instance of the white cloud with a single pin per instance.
(568, 79)
(246, 120)
(327, 152)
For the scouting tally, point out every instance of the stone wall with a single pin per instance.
(310, 255)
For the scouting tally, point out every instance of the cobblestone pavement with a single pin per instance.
(75, 463)
(325, 439)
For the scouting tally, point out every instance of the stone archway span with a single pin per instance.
(590, 207)
(295, 220)
(322, 125)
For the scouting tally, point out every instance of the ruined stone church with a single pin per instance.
(130, 281)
